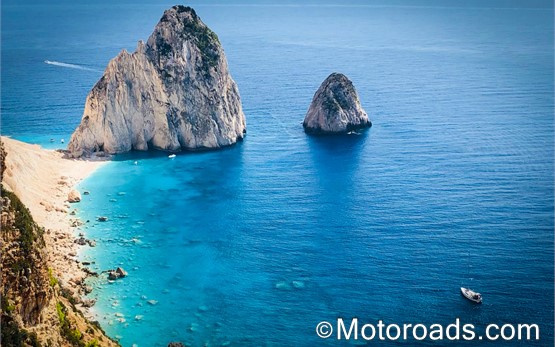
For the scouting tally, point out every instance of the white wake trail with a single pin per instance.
(71, 66)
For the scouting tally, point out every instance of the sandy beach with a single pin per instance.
(42, 179)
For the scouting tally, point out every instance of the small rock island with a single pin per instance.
(335, 108)
(173, 93)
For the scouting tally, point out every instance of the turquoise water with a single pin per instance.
(452, 186)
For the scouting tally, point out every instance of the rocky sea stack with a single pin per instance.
(335, 108)
(173, 93)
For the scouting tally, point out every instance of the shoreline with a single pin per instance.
(43, 179)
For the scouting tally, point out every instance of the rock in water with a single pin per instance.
(335, 108)
(173, 93)
(121, 272)
(117, 273)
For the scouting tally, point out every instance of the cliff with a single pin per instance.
(36, 307)
(173, 93)
(335, 108)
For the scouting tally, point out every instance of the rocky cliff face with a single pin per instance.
(25, 289)
(173, 93)
(36, 311)
(335, 108)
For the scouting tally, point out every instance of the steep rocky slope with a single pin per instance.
(36, 309)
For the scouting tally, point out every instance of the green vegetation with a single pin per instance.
(181, 9)
(7, 308)
(61, 309)
(29, 232)
(53, 280)
(193, 29)
(206, 40)
(73, 336)
(92, 343)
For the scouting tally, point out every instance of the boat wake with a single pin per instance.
(71, 66)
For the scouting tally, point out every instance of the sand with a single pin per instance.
(42, 179)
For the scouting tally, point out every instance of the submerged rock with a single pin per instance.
(335, 108)
(283, 285)
(173, 93)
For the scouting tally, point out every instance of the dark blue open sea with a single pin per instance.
(255, 244)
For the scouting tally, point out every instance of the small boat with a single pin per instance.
(471, 295)
(62, 141)
(171, 156)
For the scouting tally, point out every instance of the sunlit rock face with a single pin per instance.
(335, 108)
(173, 93)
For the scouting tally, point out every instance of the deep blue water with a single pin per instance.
(452, 186)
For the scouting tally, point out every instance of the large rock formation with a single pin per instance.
(174, 92)
(335, 108)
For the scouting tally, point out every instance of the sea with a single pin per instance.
(256, 244)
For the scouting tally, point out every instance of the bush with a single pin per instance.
(7, 308)
(29, 232)
(73, 336)
(53, 280)
(61, 309)
(92, 343)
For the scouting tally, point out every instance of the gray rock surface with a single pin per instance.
(173, 93)
(335, 108)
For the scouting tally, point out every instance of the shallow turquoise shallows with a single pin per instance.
(255, 244)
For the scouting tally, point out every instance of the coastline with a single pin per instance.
(42, 179)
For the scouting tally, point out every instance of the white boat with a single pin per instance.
(171, 156)
(471, 295)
